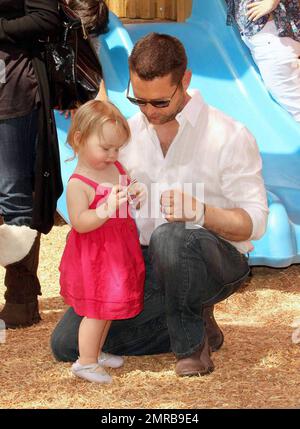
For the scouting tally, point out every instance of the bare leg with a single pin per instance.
(90, 335)
(104, 335)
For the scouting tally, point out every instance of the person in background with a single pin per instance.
(271, 30)
(95, 18)
(94, 15)
(30, 179)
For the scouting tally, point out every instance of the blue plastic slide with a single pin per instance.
(226, 76)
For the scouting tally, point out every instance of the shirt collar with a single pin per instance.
(189, 113)
(192, 109)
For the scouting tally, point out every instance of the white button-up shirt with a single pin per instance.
(210, 148)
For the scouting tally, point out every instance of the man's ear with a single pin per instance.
(186, 80)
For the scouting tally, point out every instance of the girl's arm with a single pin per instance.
(84, 219)
(41, 20)
(258, 9)
(81, 217)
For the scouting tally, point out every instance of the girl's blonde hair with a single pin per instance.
(90, 118)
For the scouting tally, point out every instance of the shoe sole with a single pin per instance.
(199, 374)
(27, 325)
(74, 374)
(106, 365)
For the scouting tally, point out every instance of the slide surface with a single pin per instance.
(226, 76)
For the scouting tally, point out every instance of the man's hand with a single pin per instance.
(258, 9)
(177, 206)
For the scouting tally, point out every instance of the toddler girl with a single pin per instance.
(102, 268)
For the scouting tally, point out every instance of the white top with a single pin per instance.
(210, 148)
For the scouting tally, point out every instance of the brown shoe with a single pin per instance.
(199, 363)
(19, 254)
(214, 334)
(20, 315)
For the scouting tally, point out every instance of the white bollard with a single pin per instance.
(2, 332)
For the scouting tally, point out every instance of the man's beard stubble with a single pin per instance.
(172, 116)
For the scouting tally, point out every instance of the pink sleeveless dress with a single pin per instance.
(102, 272)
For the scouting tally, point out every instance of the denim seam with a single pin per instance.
(185, 268)
(189, 240)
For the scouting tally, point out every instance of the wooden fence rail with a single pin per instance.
(176, 10)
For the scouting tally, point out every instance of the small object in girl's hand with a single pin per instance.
(130, 193)
(131, 199)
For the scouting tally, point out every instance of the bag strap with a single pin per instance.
(73, 20)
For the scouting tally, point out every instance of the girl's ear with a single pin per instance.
(77, 137)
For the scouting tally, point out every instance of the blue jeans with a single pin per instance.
(18, 138)
(186, 270)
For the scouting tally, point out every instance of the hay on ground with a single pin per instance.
(258, 366)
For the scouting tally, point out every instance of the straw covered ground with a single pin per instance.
(258, 366)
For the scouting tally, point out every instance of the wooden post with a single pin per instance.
(184, 9)
(163, 9)
(147, 9)
(118, 7)
(150, 9)
(132, 8)
(173, 11)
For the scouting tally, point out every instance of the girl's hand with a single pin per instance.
(116, 199)
(258, 9)
(137, 194)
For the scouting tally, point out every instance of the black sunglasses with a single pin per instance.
(155, 103)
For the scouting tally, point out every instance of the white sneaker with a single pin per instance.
(93, 372)
(110, 361)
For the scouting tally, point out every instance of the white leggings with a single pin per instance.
(278, 61)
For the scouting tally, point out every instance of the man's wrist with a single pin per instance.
(199, 209)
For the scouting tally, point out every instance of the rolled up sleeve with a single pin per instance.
(241, 179)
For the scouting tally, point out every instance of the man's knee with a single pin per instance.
(63, 349)
(167, 237)
(64, 339)
(55, 346)
(173, 236)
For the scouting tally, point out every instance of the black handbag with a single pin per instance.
(73, 66)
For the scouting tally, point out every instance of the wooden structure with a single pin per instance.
(175, 10)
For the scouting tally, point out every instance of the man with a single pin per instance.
(194, 253)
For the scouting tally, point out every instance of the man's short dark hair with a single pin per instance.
(158, 55)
